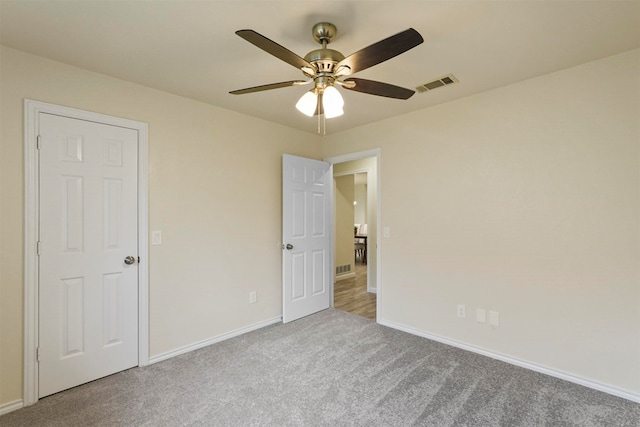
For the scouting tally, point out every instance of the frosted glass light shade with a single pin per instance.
(332, 102)
(307, 103)
(331, 113)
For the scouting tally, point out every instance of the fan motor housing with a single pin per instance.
(324, 59)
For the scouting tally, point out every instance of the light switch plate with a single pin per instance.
(156, 238)
(386, 232)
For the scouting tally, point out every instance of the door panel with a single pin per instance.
(319, 267)
(306, 221)
(88, 313)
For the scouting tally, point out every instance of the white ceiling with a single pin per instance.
(189, 47)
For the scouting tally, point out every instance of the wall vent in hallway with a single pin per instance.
(341, 269)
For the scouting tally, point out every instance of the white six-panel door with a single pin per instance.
(88, 312)
(306, 236)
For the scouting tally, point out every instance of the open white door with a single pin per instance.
(306, 236)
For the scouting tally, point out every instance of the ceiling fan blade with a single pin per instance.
(268, 87)
(378, 88)
(274, 48)
(381, 51)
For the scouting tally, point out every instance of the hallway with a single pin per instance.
(351, 294)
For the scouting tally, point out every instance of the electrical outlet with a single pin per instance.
(253, 297)
(481, 315)
(462, 310)
(494, 318)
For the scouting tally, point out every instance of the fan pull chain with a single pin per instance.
(324, 125)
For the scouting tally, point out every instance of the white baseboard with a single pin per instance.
(11, 406)
(345, 276)
(634, 397)
(372, 290)
(213, 340)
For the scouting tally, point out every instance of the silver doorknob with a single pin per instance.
(129, 260)
(289, 246)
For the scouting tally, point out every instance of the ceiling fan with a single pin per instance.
(326, 68)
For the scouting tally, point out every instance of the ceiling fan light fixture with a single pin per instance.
(332, 102)
(307, 103)
(325, 66)
(331, 113)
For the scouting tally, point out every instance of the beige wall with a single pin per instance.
(360, 196)
(343, 221)
(208, 170)
(523, 200)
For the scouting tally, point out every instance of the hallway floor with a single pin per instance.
(351, 294)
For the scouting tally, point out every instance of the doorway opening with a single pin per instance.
(356, 224)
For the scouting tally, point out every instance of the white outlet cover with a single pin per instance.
(494, 318)
(481, 315)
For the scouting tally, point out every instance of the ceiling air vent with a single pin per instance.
(449, 79)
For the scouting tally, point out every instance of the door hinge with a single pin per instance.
(38, 248)
(38, 354)
(38, 142)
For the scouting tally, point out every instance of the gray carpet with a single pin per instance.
(329, 369)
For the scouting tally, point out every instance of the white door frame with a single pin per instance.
(359, 155)
(32, 110)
